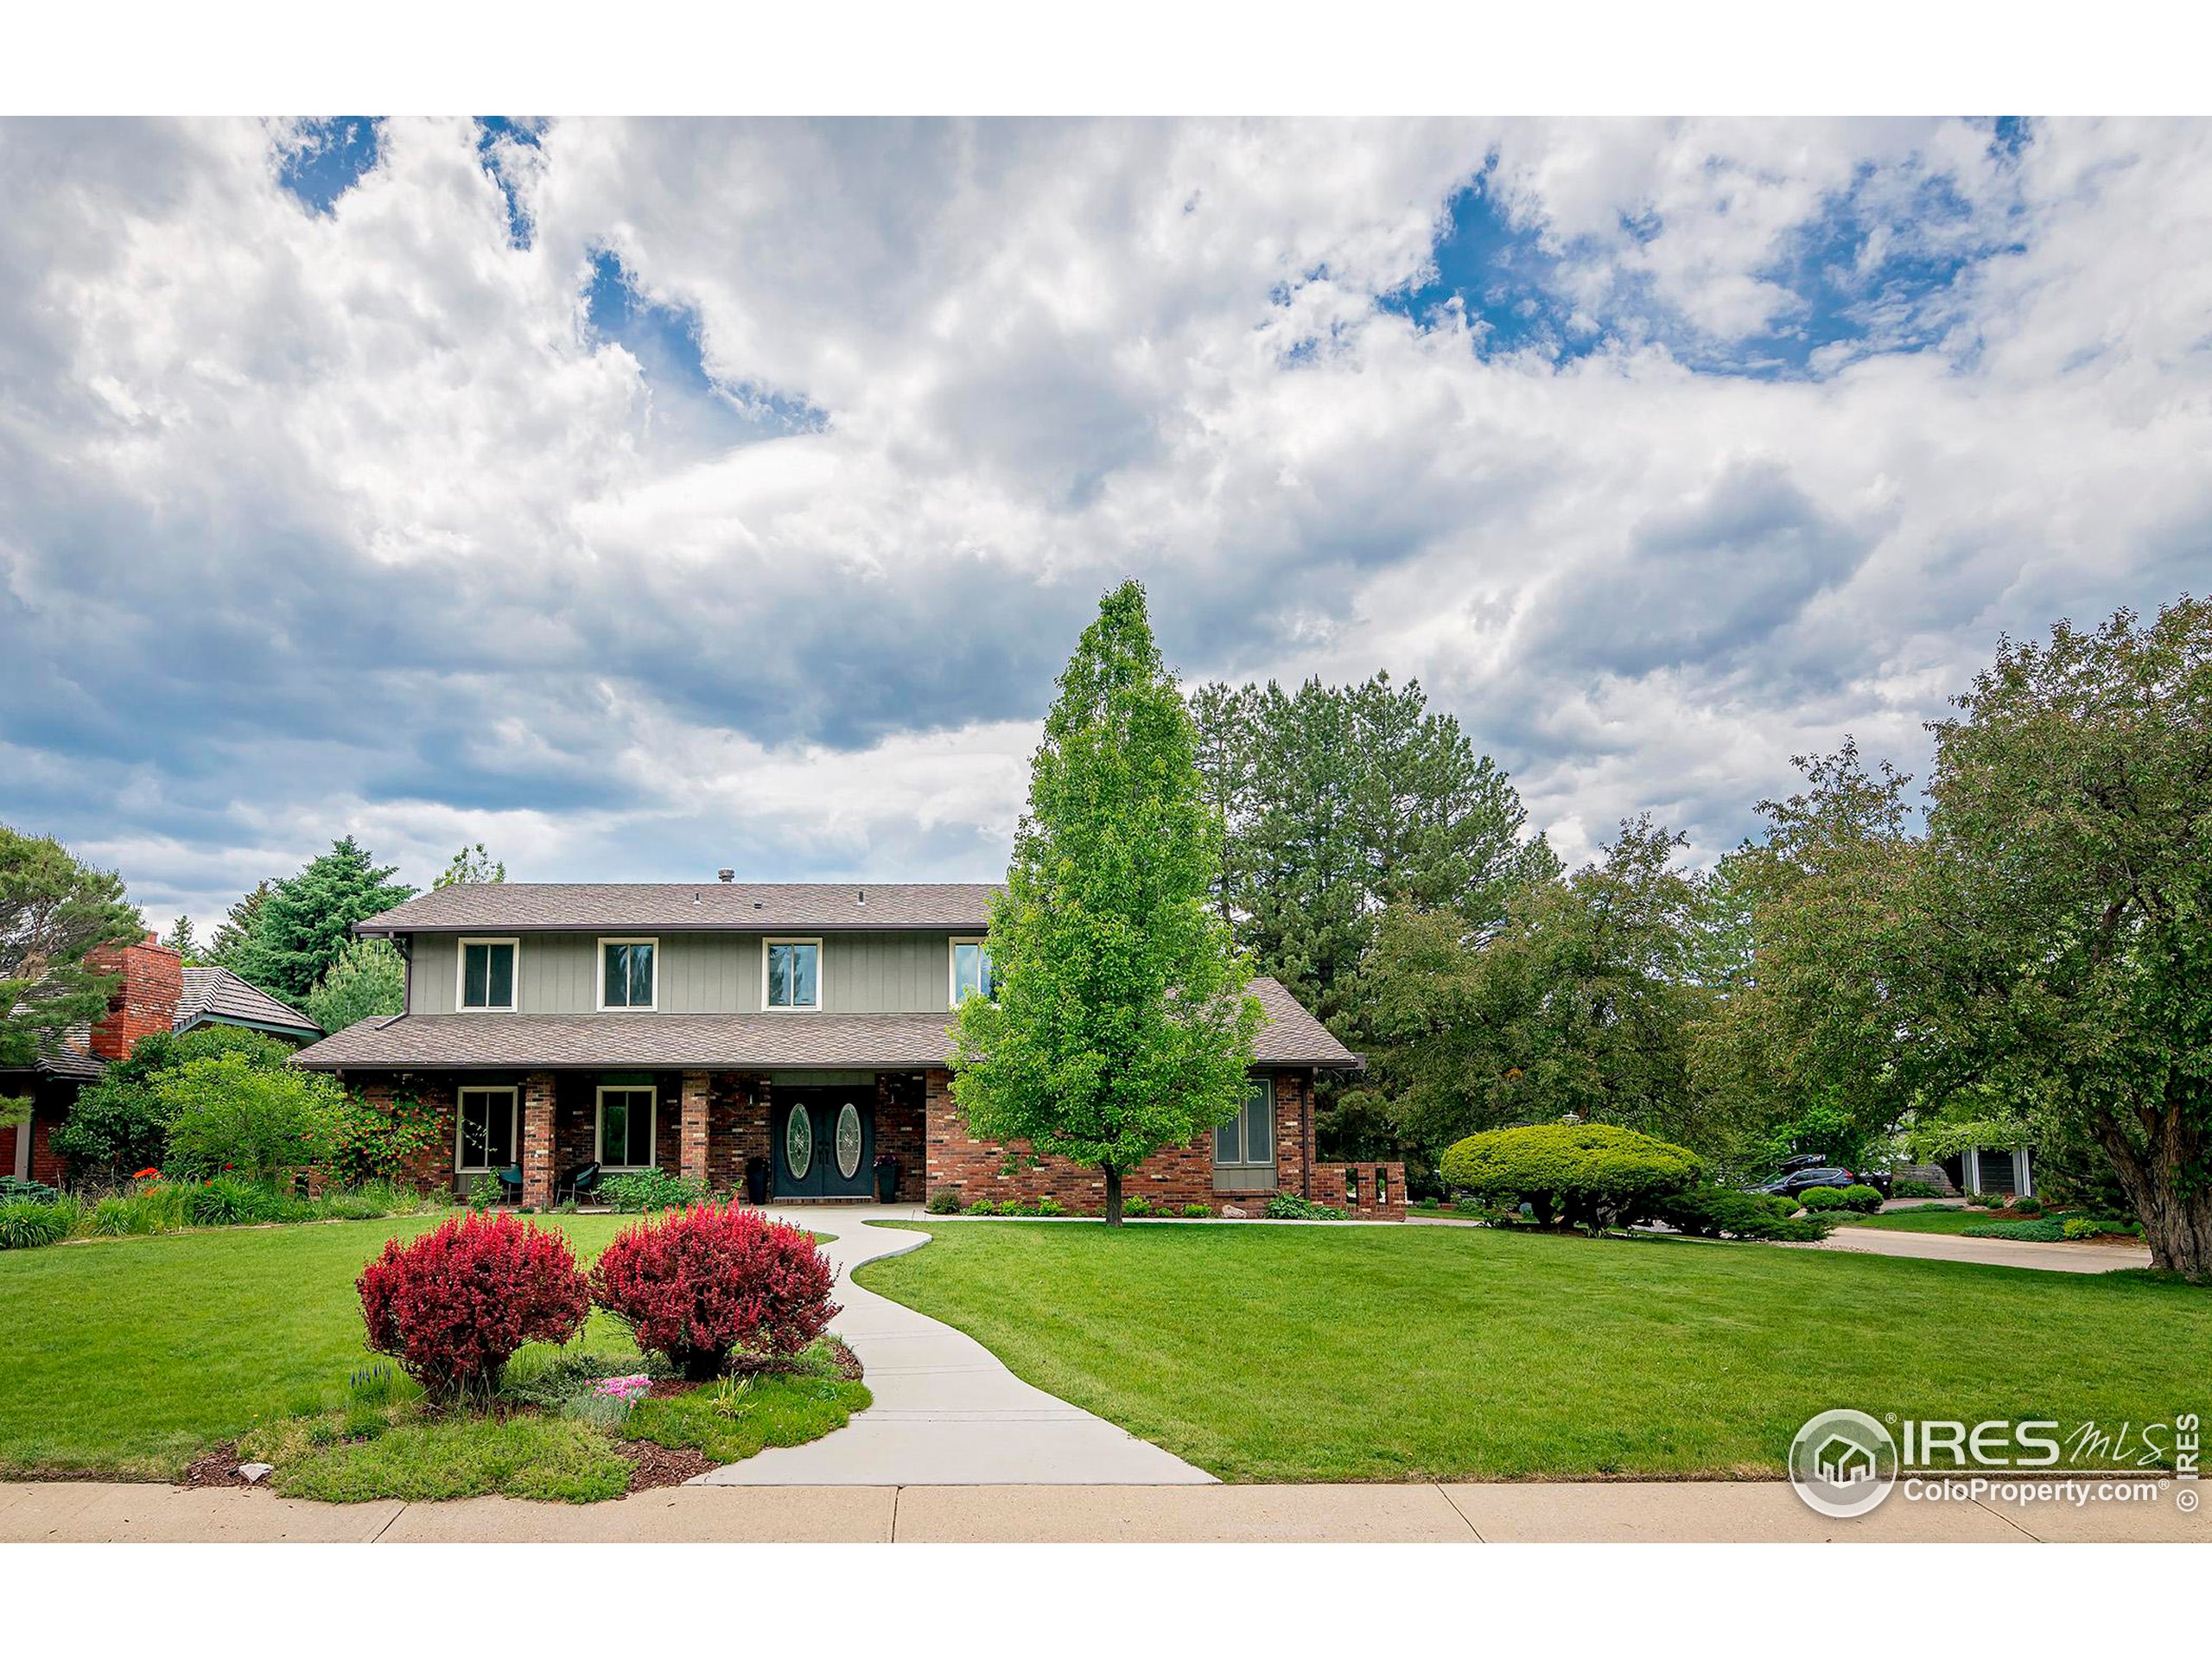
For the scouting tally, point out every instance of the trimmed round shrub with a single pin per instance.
(452, 1307)
(1723, 1212)
(1863, 1199)
(701, 1282)
(1592, 1175)
(2026, 1205)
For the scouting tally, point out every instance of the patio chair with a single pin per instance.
(577, 1184)
(511, 1184)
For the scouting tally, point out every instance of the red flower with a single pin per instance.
(147, 1175)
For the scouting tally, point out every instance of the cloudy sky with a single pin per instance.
(639, 499)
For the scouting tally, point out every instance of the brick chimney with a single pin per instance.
(145, 1002)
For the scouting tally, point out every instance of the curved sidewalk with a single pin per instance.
(946, 1413)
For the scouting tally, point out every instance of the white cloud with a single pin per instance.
(311, 523)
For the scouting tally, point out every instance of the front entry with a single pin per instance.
(825, 1142)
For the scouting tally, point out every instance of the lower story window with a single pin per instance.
(626, 1127)
(1244, 1147)
(487, 1135)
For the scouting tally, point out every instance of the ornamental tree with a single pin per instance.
(368, 978)
(1592, 1175)
(1122, 1021)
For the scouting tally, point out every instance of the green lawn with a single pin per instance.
(1922, 1221)
(1271, 1353)
(130, 1355)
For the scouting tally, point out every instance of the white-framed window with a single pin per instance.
(971, 971)
(626, 1132)
(484, 978)
(484, 1128)
(629, 975)
(1248, 1140)
(791, 975)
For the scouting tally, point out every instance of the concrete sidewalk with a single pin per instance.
(947, 1412)
(1596, 1512)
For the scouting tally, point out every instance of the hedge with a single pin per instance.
(1592, 1175)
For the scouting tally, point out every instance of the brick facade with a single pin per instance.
(145, 999)
(1355, 1187)
(1170, 1179)
(716, 1121)
(44, 1163)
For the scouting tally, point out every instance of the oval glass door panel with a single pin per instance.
(849, 1140)
(798, 1142)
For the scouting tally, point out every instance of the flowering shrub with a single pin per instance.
(453, 1305)
(702, 1282)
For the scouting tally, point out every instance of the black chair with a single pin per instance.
(577, 1183)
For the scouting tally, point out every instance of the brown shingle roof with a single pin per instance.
(750, 1042)
(218, 995)
(546, 906)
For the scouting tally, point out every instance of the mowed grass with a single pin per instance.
(1932, 1220)
(1281, 1354)
(131, 1356)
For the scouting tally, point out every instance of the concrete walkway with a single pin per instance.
(1591, 1512)
(947, 1412)
(1992, 1252)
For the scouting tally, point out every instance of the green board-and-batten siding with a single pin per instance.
(703, 973)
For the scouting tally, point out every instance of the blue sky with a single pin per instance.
(644, 497)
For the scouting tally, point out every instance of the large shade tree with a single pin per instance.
(2044, 948)
(1121, 1021)
(53, 911)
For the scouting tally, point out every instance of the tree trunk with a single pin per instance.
(1113, 1196)
(2174, 1208)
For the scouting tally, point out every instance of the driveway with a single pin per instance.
(946, 1413)
(1992, 1252)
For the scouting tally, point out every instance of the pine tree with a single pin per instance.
(181, 939)
(1122, 1022)
(306, 921)
(53, 911)
(368, 978)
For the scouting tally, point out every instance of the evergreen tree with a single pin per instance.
(227, 948)
(306, 921)
(1122, 1022)
(181, 939)
(54, 910)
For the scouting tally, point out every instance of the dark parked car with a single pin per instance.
(1794, 1183)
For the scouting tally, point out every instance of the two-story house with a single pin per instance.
(699, 1028)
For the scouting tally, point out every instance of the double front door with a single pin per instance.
(825, 1142)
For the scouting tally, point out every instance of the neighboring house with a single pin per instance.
(155, 992)
(803, 1029)
(1993, 1169)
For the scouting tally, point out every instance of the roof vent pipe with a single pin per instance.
(725, 876)
(863, 897)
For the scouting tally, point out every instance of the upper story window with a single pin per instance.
(971, 971)
(487, 975)
(628, 973)
(790, 971)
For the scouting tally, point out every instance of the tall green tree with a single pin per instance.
(54, 910)
(181, 939)
(306, 921)
(1579, 1000)
(368, 978)
(227, 948)
(471, 866)
(2043, 949)
(1122, 1022)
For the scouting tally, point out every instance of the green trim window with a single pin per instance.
(626, 1127)
(791, 974)
(487, 975)
(971, 971)
(626, 973)
(1248, 1140)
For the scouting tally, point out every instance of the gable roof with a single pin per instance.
(217, 996)
(586, 906)
(733, 1041)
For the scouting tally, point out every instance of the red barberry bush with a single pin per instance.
(705, 1281)
(455, 1305)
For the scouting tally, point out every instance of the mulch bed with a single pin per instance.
(219, 1467)
(653, 1465)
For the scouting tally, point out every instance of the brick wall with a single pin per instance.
(901, 1131)
(433, 1166)
(1170, 1178)
(144, 1002)
(538, 1171)
(47, 1108)
(1354, 1187)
